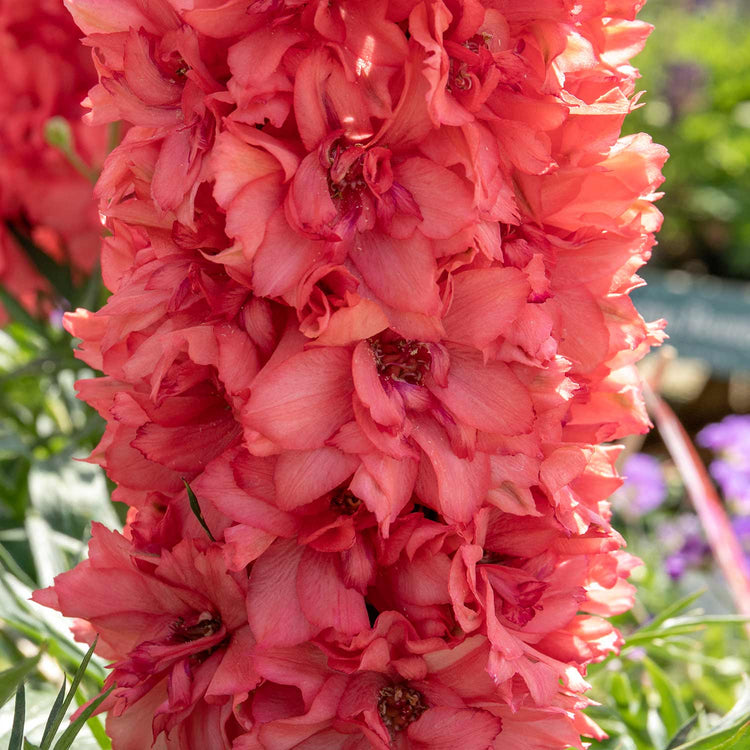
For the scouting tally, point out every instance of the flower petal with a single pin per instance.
(485, 304)
(303, 401)
(272, 598)
(323, 597)
(445, 728)
(486, 396)
(401, 272)
(443, 197)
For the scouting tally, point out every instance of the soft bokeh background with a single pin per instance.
(686, 651)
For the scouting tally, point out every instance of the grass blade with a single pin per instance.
(196, 508)
(67, 737)
(19, 717)
(11, 678)
(672, 609)
(682, 733)
(733, 730)
(730, 739)
(671, 708)
(53, 724)
(54, 711)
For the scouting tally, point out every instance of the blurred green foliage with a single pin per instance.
(696, 74)
(685, 661)
(48, 498)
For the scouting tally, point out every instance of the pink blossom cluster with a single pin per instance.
(370, 265)
(44, 74)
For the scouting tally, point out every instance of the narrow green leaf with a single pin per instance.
(67, 737)
(29, 745)
(729, 739)
(95, 725)
(40, 625)
(638, 639)
(196, 508)
(673, 609)
(54, 724)
(733, 730)
(54, 711)
(99, 733)
(671, 710)
(708, 620)
(684, 626)
(11, 678)
(19, 716)
(682, 733)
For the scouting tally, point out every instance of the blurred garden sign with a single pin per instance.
(709, 317)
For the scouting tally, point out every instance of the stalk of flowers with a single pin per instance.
(370, 268)
(47, 155)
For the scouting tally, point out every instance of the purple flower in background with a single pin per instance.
(56, 318)
(682, 538)
(730, 438)
(693, 553)
(643, 489)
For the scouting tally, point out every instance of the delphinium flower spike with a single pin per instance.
(370, 266)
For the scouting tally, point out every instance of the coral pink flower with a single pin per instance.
(370, 266)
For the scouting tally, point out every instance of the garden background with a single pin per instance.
(687, 651)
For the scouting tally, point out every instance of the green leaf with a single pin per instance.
(16, 734)
(671, 710)
(11, 678)
(683, 626)
(196, 508)
(67, 737)
(682, 733)
(41, 625)
(672, 610)
(55, 710)
(729, 739)
(98, 732)
(731, 733)
(56, 718)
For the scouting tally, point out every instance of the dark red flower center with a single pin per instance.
(346, 178)
(205, 625)
(345, 502)
(468, 62)
(492, 558)
(399, 706)
(401, 359)
(524, 606)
